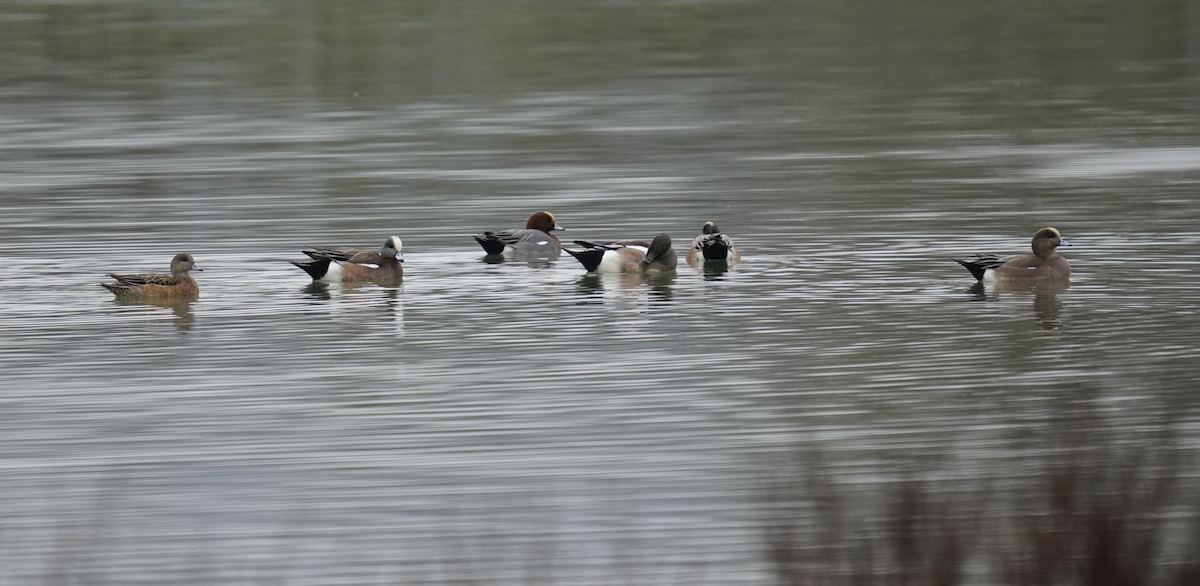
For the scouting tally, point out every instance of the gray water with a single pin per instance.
(522, 423)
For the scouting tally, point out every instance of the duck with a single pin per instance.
(535, 241)
(627, 256)
(714, 245)
(341, 264)
(178, 285)
(1043, 265)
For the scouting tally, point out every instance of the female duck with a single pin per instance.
(178, 285)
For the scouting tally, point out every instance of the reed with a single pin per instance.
(1082, 515)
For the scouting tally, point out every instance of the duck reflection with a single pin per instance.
(323, 291)
(626, 289)
(714, 270)
(661, 285)
(1047, 307)
(181, 308)
(318, 290)
(394, 303)
(589, 284)
(347, 295)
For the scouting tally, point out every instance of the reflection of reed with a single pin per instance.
(1088, 514)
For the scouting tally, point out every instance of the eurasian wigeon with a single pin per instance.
(535, 241)
(338, 264)
(178, 285)
(627, 256)
(712, 244)
(1043, 265)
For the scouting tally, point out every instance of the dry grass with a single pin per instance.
(1079, 516)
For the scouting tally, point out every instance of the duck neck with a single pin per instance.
(1045, 251)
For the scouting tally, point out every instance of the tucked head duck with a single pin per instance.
(627, 256)
(1043, 265)
(534, 242)
(340, 264)
(179, 284)
(714, 245)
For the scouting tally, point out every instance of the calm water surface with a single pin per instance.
(520, 424)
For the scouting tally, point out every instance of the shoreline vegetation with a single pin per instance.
(1085, 514)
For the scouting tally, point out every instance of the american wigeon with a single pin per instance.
(1043, 265)
(177, 285)
(535, 241)
(627, 256)
(339, 264)
(712, 244)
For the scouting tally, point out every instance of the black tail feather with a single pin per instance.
(714, 249)
(490, 244)
(976, 270)
(594, 245)
(590, 258)
(316, 268)
(979, 265)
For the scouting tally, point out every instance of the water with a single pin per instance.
(514, 423)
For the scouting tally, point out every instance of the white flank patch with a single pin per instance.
(334, 273)
(610, 263)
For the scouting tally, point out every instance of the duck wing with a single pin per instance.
(146, 279)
